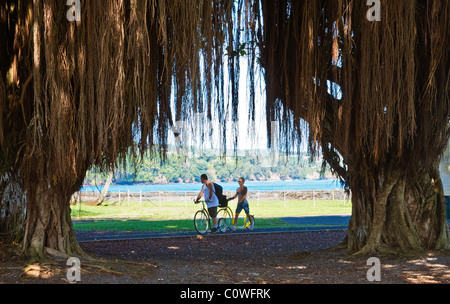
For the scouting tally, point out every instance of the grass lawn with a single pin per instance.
(161, 225)
(178, 215)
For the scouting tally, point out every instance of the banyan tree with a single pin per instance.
(374, 96)
(76, 94)
(378, 106)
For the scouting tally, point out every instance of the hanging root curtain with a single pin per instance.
(376, 98)
(80, 94)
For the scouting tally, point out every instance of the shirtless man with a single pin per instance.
(241, 193)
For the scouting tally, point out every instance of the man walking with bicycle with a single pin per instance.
(211, 199)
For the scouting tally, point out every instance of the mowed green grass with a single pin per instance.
(178, 215)
(161, 225)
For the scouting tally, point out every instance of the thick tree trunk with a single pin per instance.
(49, 226)
(398, 214)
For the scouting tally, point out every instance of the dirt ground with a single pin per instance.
(277, 258)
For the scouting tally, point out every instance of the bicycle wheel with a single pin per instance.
(223, 226)
(247, 222)
(201, 222)
(227, 215)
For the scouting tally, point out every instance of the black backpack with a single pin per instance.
(218, 190)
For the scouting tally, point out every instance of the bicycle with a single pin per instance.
(202, 220)
(227, 214)
(246, 225)
(247, 222)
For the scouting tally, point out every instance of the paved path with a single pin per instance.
(318, 220)
(311, 223)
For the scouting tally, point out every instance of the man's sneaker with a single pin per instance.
(251, 227)
(232, 227)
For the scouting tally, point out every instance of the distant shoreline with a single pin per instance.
(216, 181)
(270, 185)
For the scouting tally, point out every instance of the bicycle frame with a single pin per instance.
(227, 214)
(204, 206)
(206, 222)
(247, 221)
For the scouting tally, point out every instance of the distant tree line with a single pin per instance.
(177, 169)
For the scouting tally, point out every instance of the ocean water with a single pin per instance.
(292, 185)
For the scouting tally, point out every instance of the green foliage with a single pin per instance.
(176, 169)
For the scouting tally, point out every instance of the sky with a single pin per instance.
(248, 139)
